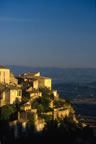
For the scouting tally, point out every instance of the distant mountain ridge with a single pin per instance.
(60, 75)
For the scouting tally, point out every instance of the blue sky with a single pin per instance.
(53, 33)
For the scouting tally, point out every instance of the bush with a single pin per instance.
(41, 104)
(6, 112)
(47, 117)
(46, 93)
(59, 103)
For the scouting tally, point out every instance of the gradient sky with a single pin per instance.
(53, 33)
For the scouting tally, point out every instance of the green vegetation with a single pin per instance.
(59, 103)
(31, 119)
(25, 85)
(41, 104)
(25, 95)
(47, 117)
(7, 111)
(65, 130)
(24, 99)
(61, 131)
(46, 93)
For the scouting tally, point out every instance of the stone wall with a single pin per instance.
(15, 96)
(61, 114)
(13, 80)
(44, 82)
(5, 76)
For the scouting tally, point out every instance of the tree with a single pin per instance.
(40, 108)
(41, 104)
(6, 112)
(59, 103)
(46, 93)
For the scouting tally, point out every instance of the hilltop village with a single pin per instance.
(34, 99)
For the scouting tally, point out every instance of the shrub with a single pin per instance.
(6, 112)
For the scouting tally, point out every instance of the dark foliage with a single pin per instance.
(62, 131)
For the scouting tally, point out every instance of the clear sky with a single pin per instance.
(53, 33)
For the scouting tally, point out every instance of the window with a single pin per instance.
(19, 93)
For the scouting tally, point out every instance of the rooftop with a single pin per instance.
(30, 73)
(3, 67)
(31, 76)
(41, 77)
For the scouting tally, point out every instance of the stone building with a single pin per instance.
(33, 81)
(18, 126)
(31, 74)
(26, 107)
(39, 124)
(10, 91)
(33, 93)
(10, 94)
(21, 124)
(55, 94)
(57, 113)
(28, 75)
(13, 80)
(37, 80)
(44, 82)
(4, 75)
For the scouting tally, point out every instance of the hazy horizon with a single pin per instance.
(9, 65)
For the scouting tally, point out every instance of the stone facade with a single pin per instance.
(25, 107)
(13, 80)
(31, 74)
(21, 124)
(15, 95)
(44, 82)
(34, 95)
(39, 124)
(4, 75)
(37, 80)
(55, 94)
(10, 95)
(61, 113)
(34, 83)
(10, 91)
